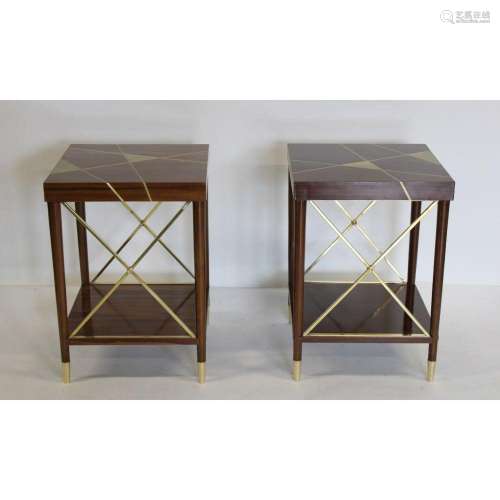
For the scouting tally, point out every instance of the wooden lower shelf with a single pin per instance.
(132, 316)
(368, 314)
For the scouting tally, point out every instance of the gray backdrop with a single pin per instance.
(248, 183)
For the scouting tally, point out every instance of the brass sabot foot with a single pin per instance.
(201, 373)
(296, 370)
(66, 373)
(431, 370)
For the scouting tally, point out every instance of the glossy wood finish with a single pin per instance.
(437, 281)
(367, 172)
(290, 244)
(369, 309)
(416, 209)
(56, 240)
(146, 172)
(131, 313)
(298, 276)
(200, 265)
(139, 172)
(82, 244)
(207, 257)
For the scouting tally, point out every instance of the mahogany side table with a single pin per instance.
(120, 313)
(360, 310)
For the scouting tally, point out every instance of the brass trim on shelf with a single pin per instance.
(344, 282)
(126, 337)
(359, 334)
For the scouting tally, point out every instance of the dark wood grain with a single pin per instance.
(131, 312)
(298, 276)
(367, 339)
(369, 309)
(137, 172)
(142, 340)
(82, 244)
(130, 192)
(207, 256)
(166, 172)
(200, 256)
(56, 239)
(437, 280)
(367, 172)
(290, 244)
(416, 208)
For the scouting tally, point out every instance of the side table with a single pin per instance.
(120, 313)
(360, 310)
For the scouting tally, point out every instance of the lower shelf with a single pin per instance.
(131, 315)
(367, 314)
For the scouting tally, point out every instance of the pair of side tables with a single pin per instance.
(367, 309)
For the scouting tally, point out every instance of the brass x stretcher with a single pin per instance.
(130, 269)
(369, 267)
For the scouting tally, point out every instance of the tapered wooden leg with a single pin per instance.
(56, 240)
(437, 283)
(200, 256)
(207, 260)
(298, 283)
(82, 243)
(290, 250)
(416, 208)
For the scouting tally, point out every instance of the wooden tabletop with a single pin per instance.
(367, 172)
(138, 172)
